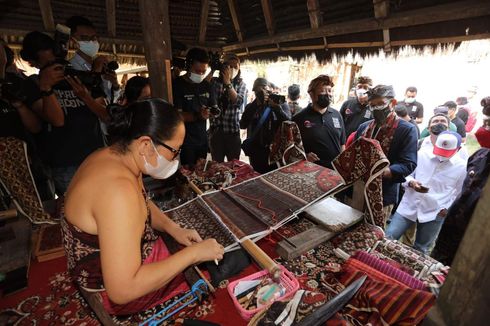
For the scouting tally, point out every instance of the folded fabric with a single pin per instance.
(355, 264)
(384, 303)
(388, 270)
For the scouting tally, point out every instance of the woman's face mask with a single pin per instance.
(323, 100)
(164, 168)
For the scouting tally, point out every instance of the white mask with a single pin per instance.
(164, 168)
(234, 73)
(196, 78)
(90, 48)
(409, 100)
(361, 92)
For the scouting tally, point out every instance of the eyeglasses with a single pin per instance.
(176, 152)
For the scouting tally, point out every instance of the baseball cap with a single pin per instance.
(441, 109)
(447, 144)
(381, 91)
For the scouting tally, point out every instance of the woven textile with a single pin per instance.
(16, 177)
(364, 160)
(287, 146)
(388, 270)
(384, 303)
(384, 134)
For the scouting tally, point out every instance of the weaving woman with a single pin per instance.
(109, 222)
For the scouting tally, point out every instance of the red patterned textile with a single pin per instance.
(365, 160)
(177, 286)
(287, 146)
(388, 270)
(384, 134)
(384, 303)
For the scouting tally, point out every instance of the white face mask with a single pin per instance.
(409, 100)
(164, 168)
(234, 73)
(90, 48)
(442, 158)
(361, 92)
(196, 78)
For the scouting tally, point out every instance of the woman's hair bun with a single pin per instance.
(120, 120)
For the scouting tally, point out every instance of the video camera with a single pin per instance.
(215, 61)
(276, 98)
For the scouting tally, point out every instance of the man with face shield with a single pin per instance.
(430, 190)
(193, 97)
(321, 126)
(262, 118)
(356, 111)
(398, 139)
(229, 91)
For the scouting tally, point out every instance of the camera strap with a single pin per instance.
(262, 119)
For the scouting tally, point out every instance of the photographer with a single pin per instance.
(84, 35)
(71, 111)
(229, 89)
(262, 118)
(15, 117)
(194, 98)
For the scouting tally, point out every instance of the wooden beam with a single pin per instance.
(430, 41)
(269, 20)
(316, 19)
(386, 40)
(381, 8)
(110, 7)
(463, 298)
(155, 25)
(434, 14)
(47, 14)
(204, 21)
(236, 19)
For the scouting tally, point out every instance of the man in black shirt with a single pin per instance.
(322, 127)
(355, 111)
(415, 109)
(193, 97)
(70, 110)
(460, 126)
(402, 112)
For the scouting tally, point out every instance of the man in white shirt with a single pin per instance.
(430, 190)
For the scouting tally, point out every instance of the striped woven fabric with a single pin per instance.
(389, 270)
(385, 303)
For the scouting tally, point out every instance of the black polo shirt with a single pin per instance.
(354, 114)
(460, 126)
(415, 110)
(322, 134)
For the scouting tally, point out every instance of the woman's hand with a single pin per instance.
(208, 250)
(186, 237)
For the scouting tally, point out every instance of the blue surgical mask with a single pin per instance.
(90, 48)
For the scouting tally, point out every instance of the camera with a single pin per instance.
(12, 88)
(276, 98)
(215, 111)
(215, 61)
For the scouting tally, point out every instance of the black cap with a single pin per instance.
(386, 91)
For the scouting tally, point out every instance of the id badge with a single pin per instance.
(367, 114)
(336, 123)
(414, 108)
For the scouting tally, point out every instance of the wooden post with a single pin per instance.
(236, 19)
(316, 19)
(269, 20)
(47, 13)
(204, 21)
(158, 50)
(110, 7)
(464, 297)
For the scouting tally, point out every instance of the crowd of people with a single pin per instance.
(92, 141)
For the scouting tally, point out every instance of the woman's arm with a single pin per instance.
(120, 222)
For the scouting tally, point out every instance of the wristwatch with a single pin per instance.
(227, 86)
(47, 93)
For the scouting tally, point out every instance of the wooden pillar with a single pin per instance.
(158, 49)
(110, 7)
(47, 14)
(465, 296)
(316, 19)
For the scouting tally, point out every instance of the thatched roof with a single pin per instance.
(263, 28)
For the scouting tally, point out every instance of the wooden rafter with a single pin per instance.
(203, 24)
(47, 14)
(446, 12)
(381, 8)
(236, 19)
(316, 19)
(110, 7)
(269, 20)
